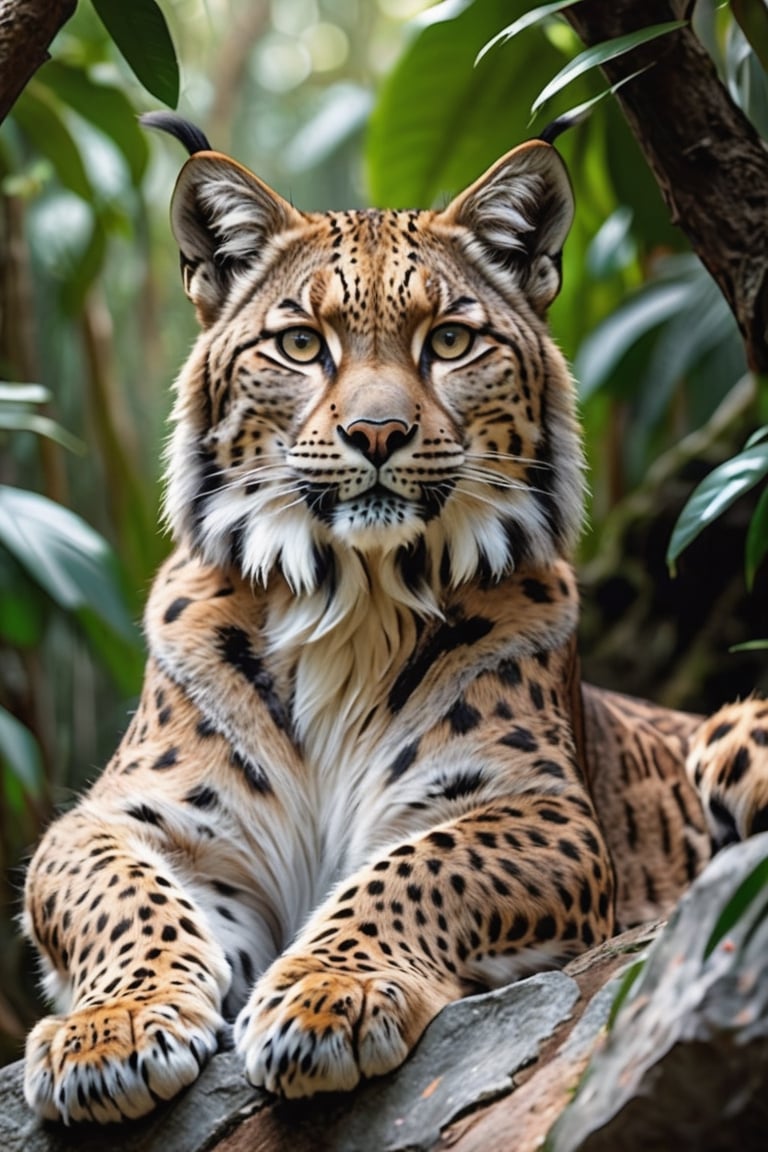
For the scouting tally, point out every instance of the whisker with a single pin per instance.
(493, 503)
(507, 456)
(482, 476)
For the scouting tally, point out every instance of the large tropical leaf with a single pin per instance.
(757, 539)
(105, 106)
(440, 120)
(715, 493)
(40, 116)
(20, 753)
(140, 32)
(64, 555)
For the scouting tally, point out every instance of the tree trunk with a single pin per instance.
(27, 28)
(708, 160)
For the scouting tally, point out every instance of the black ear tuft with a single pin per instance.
(188, 134)
(562, 123)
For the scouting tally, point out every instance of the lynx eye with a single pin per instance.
(450, 341)
(300, 344)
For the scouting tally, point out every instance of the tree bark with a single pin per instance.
(709, 162)
(27, 28)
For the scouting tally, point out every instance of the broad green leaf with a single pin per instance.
(613, 247)
(141, 34)
(715, 493)
(752, 18)
(22, 605)
(603, 349)
(527, 20)
(64, 555)
(750, 887)
(600, 54)
(439, 121)
(19, 421)
(758, 435)
(20, 752)
(39, 116)
(105, 106)
(757, 539)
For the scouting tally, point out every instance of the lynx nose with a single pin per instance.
(377, 439)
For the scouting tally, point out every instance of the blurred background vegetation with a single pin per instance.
(338, 103)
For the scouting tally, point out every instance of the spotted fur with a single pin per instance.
(363, 779)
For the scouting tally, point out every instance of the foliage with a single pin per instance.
(718, 491)
(657, 366)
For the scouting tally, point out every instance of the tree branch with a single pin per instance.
(27, 28)
(708, 160)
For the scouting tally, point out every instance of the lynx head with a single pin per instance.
(374, 390)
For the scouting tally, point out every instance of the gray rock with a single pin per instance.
(219, 1100)
(686, 1063)
(468, 1056)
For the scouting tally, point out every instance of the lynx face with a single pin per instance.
(375, 390)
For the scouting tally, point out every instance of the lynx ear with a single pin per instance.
(224, 219)
(518, 214)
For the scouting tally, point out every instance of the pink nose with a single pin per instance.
(377, 439)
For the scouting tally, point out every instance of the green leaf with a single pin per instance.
(600, 54)
(758, 435)
(24, 394)
(439, 121)
(752, 18)
(22, 606)
(749, 646)
(64, 555)
(714, 494)
(612, 248)
(39, 116)
(19, 751)
(141, 34)
(750, 887)
(757, 539)
(604, 348)
(104, 106)
(527, 20)
(19, 421)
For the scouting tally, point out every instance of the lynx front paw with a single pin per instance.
(310, 1029)
(116, 1061)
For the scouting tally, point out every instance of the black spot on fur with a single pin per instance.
(520, 739)
(463, 784)
(446, 638)
(174, 610)
(463, 717)
(235, 648)
(719, 732)
(255, 776)
(402, 761)
(166, 759)
(202, 797)
(739, 766)
(145, 814)
(536, 591)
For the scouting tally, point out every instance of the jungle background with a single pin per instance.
(339, 103)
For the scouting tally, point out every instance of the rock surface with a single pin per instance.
(685, 1065)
